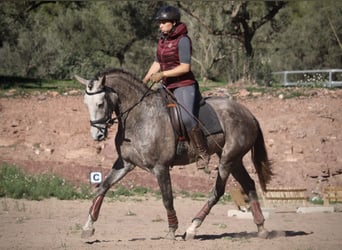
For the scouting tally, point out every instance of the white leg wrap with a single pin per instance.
(88, 228)
(191, 231)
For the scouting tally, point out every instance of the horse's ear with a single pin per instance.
(82, 80)
(102, 80)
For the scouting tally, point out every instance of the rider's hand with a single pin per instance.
(156, 77)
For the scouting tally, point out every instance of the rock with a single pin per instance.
(73, 92)
(49, 150)
(256, 94)
(305, 210)
(41, 97)
(6, 142)
(80, 153)
(53, 93)
(243, 93)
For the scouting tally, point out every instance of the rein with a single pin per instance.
(135, 104)
(109, 121)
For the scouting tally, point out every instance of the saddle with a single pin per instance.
(208, 120)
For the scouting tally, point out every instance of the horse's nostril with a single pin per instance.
(100, 137)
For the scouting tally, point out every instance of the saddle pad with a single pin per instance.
(210, 123)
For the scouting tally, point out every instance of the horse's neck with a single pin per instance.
(131, 92)
(127, 88)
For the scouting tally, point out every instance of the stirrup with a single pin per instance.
(202, 163)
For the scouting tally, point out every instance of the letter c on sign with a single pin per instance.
(95, 177)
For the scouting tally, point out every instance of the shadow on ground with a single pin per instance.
(202, 237)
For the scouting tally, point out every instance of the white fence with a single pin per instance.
(328, 77)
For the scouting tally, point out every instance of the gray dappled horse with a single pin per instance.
(146, 138)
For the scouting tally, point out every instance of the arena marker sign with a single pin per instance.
(95, 177)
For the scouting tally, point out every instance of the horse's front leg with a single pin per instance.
(119, 170)
(163, 176)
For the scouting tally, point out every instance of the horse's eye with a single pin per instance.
(100, 105)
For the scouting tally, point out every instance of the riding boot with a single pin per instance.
(197, 138)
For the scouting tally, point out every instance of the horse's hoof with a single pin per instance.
(189, 235)
(263, 234)
(87, 233)
(170, 236)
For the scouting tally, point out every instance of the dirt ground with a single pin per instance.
(141, 224)
(49, 133)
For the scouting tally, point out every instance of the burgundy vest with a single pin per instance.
(168, 58)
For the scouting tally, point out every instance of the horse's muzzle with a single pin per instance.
(98, 134)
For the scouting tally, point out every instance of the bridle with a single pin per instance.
(107, 120)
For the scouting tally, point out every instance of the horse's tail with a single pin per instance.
(260, 159)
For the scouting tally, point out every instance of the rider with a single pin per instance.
(172, 66)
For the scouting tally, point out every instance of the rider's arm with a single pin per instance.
(155, 67)
(177, 71)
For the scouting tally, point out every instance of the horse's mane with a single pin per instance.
(110, 71)
(116, 75)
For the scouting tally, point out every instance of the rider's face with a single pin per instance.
(165, 26)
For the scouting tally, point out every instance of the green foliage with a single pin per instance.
(120, 192)
(316, 200)
(55, 40)
(198, 196)
(19, 86)
(16, 184)
(226, 198)
(301, 37)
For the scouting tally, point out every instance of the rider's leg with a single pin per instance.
(186, 97)
(198, 139)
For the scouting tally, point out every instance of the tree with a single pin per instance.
(306, 40)
(233, 20)
(232, 39)
(55, 39)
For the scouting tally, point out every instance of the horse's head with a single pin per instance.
(101, 101)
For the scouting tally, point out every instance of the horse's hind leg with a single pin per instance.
(119, 170)
(221, 180)
(248, 186)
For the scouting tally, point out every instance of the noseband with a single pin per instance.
(107, 120)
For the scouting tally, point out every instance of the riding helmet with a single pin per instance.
(168, 13)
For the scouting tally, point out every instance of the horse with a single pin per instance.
(146, 138)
